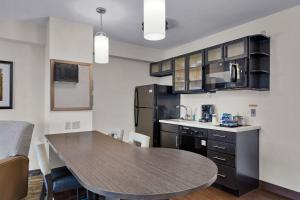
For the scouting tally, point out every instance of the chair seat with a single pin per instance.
(63, 180)
(59, 172)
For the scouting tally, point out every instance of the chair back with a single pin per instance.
(15, 138)
(140, 140)
(117, 134)
(42, 158)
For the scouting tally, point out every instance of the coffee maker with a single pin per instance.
(207, 112)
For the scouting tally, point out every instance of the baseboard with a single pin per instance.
(280, 190)
(35, 172)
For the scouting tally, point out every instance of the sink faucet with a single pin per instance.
(186, 117)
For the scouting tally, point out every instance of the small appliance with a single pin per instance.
(207, 112)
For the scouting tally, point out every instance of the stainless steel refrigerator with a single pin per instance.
(152, 103)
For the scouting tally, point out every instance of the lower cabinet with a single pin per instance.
(237, 158)
(168, 140)
(168, 136)
(235, 154)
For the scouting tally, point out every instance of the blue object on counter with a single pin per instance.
(226, 117)
(227, 120)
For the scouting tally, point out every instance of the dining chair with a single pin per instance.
(139, 139)
(117, 134)
(55, 180)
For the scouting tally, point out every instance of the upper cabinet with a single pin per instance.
(179, 75)
(195, 71)
(214, 54)
(239, 64)
(236, 49)
(259, 62)
(188, 73)
(163, 68)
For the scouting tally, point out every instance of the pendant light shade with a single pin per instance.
(101, 43)
(101, 48)
(154, 19)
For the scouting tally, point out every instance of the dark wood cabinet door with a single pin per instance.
(155, 68)
(168, 140)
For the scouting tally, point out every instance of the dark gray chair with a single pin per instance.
(55, 180)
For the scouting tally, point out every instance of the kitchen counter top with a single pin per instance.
(208, 125)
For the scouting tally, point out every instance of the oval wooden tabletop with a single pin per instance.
(116, 169)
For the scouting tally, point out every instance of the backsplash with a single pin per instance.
(233, 102)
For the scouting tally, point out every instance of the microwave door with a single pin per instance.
(241, 73)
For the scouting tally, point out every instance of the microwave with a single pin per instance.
(232, 74)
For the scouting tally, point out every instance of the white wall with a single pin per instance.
(71, 42)
(114, 92)
(278, 109)
(22, 31)
(135, 52)
(28, 87)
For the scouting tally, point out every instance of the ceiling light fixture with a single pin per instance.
(154, 19)
(101, 42)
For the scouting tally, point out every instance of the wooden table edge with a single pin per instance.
(128, 196)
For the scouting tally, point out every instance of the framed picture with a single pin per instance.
(6, 84)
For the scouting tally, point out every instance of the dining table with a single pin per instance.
(119, 170)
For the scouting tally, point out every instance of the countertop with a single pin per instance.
(208, 125)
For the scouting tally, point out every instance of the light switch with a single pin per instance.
(253, 112)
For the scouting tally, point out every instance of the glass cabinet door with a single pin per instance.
(236, 49)
(155, 68)
(179, 73)
(214, 54)
(166, 66)
(195, 71)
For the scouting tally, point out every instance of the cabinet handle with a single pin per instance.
(218, 158)
(176, 141)
(222, 176)
(218, 147)
(220, 136)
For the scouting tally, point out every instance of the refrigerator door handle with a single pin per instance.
(136, 105)
(136, 98)
(136, 116)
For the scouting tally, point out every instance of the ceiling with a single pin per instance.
(188, 19)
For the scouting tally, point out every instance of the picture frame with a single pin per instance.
(65, 92)
(6, 84)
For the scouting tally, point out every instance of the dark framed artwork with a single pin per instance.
(6, 84)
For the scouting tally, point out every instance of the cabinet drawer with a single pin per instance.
(226, 177)
(221, 136)
(221, 158)
(222, 147)
(169, 128)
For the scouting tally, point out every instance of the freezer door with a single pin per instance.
(145, 122)
(145, 96)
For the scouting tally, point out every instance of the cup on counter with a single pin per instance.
(215, 120)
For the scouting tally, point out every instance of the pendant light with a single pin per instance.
(154, 19)
(101, 42)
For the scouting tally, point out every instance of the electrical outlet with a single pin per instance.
(67, 125)
(253, 112)
(76, 125)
